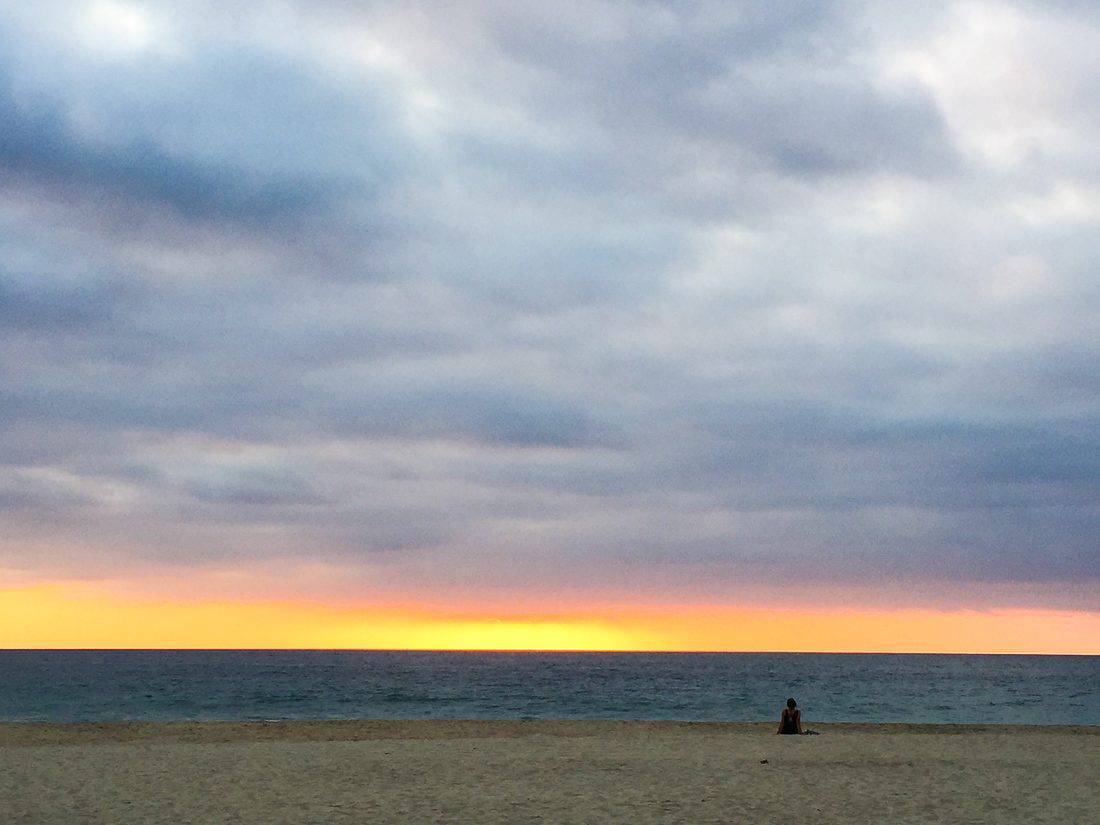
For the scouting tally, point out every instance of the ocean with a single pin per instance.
(155, 685)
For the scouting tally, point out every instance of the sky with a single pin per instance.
(755, 325)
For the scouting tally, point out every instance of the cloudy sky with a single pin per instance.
(757, 303)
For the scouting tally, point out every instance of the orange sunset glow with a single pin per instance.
(63, 616)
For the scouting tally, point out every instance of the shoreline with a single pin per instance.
(355, 730)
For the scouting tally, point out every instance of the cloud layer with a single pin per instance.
(657, 302)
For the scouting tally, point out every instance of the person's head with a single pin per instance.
(791, 703)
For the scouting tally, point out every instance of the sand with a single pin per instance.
(545, 771)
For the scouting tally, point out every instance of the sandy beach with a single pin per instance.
(439, 771)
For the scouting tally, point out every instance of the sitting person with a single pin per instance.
(791, 719)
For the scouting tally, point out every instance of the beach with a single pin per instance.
(569, 771)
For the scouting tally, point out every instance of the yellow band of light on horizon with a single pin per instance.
(63, 616)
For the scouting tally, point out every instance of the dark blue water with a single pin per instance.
(165, 685)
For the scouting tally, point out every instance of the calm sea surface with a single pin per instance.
(164, 685)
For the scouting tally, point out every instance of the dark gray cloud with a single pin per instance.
(691, 87)
(58, 305)
(39, 149)
(656, 300)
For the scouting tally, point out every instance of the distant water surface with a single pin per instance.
(239, 685)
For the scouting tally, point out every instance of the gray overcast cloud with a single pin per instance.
(648, 300)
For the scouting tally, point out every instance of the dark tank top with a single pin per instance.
(789, 723)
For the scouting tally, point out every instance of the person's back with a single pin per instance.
(790, 722)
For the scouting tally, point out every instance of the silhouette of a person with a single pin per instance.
(791, 719)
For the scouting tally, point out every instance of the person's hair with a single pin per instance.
(791, 702)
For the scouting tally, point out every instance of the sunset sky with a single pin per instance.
(697, 326)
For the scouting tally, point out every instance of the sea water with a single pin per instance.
(240, 685)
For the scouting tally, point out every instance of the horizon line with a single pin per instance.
(639, 651)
